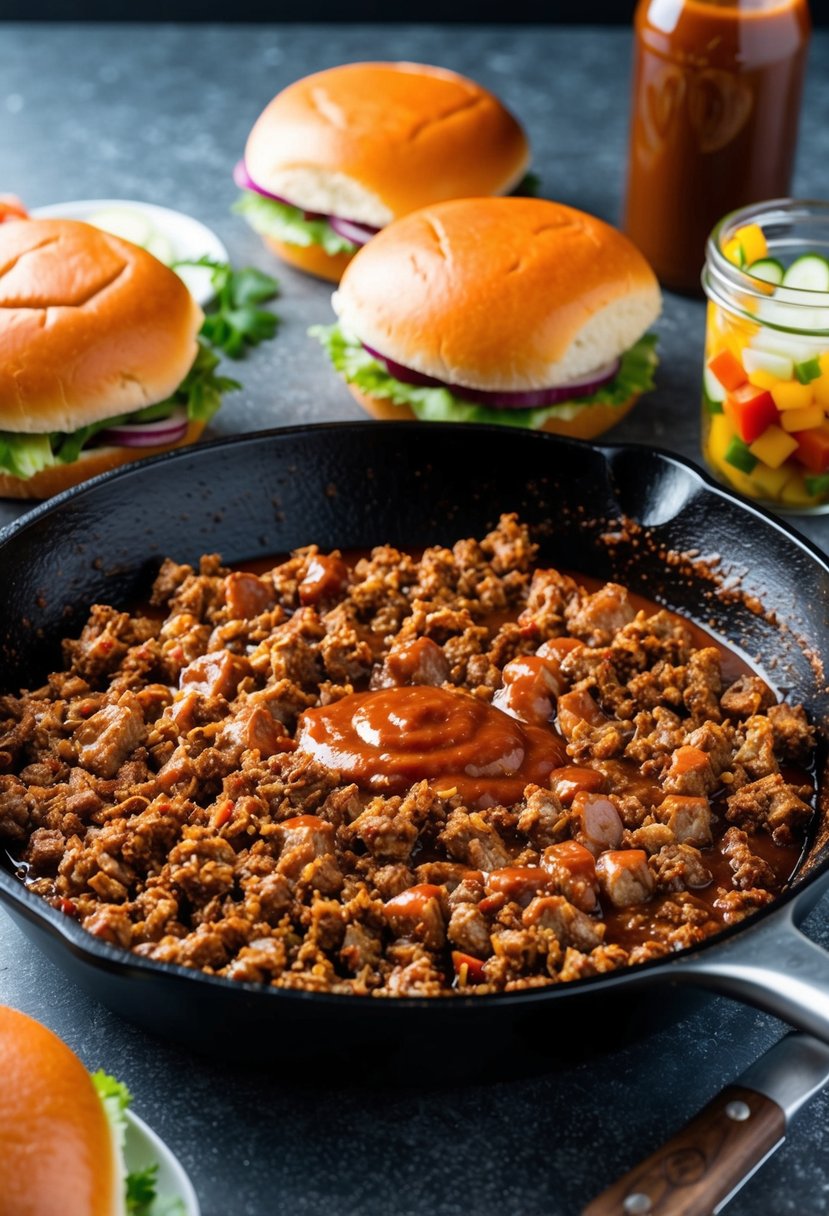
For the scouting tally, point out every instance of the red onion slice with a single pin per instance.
(147, 434)
(531, 399)
(352, 230)
(358, 234)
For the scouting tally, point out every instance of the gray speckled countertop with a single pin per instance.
(161, 114)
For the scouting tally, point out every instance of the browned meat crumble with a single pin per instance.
(155, 791)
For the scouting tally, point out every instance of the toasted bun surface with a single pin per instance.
(90, 463)
(55, 1143)
(590, 421)
(311, 258)
(499, 293)
(373, 141)
(91, 326)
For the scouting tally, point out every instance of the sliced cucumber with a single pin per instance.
(714, 391)
(121, 221)
(778, 365)
(767, 269)
(198, 280)
(809, 273)
(160, 248)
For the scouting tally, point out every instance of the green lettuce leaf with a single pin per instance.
(200, 392)
(270, 218)
(24, 455)
(115, 1098)
(140, 1185)
(201, 389)
(352, 360)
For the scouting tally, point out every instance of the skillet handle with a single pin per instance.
(699, 1169)
(771, 965)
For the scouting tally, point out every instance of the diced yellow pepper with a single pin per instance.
(753, 242)
(732, 339)
(802, 420)
(791, 395)
(769, 482)
(773, 447)
(824, 364)
(820, 388)
(761, 379)
(795, 494)
(739, 480)
(720, 434)
(733, 251)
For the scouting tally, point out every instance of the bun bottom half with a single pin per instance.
(60, 477)
(593, 420)
(311, 258)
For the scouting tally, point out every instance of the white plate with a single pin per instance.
(189, 238)
(142, 1147)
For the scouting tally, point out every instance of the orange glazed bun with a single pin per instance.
(587, 424)
(311, 258)
(91, 462)
(501, 295)
(91, 328)
(56, 1147)
(370, 142)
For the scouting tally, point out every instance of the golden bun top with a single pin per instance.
(91, 326)
(373, 141)
(57, 1152)
(499, 293)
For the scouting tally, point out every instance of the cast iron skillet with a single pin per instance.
(645, 518)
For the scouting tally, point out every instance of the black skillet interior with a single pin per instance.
(638, 516)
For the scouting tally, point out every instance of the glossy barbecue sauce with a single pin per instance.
(391, 738)
(716, 99)
(388, 739)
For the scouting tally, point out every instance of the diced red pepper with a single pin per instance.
(813, 448)
(223, 815)
(751, 410)
(68, 907)
(728, 370)
(475, 973)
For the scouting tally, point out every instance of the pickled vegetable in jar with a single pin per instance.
(765, 398)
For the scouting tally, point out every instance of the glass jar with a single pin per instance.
(714, 117)
(765, 400)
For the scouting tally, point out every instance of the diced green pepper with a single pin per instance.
(817, 486)
(808, 370)
(738, 455)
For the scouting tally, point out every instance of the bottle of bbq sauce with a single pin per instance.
(716, 99)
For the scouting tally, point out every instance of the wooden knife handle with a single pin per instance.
(702, 1164)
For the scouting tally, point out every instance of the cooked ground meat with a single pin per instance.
(170, 787)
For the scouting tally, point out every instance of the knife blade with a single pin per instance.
(703, 1166)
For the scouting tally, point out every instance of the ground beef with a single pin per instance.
(156, 788)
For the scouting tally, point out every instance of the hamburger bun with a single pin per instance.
(91, 462)
(587, 424)
(57, 1148)
(373, 141)
(508, 294)
(370, 142)
(311, 258)
(91, 327)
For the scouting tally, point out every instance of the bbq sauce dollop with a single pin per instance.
(389, 739)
